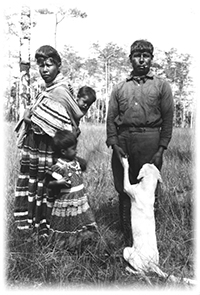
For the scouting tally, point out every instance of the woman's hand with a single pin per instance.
(61, 183)
(52, 183)
(27, 116)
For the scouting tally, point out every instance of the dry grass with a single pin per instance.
(100, 264)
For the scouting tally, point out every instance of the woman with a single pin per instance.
(55, 109)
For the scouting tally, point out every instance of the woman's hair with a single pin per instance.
(86, 90)
(142, 45)
(47, 51)
(63, 139)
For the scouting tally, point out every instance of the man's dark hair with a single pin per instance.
(141, 46)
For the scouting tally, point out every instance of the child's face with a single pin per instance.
(84, 103)
(48, 69)
(70, 152)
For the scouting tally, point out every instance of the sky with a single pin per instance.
(166, 24)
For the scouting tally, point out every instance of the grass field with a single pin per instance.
(101, 264)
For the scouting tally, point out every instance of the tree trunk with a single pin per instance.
(24, 59)
(106, 70)
(98, 110)
(55, 31)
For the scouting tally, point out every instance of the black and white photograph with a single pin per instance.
(100, 152)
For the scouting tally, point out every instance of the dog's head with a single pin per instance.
(148, 169)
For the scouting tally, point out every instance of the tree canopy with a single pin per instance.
(106, 66)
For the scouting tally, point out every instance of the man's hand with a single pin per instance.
(157, 158)
(119, 152)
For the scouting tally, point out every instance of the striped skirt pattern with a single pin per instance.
(71, 213)
(30, 193)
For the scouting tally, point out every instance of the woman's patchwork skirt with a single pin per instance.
(30, 193)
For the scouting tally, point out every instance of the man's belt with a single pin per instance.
(139, 129)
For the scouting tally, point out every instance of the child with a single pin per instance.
(69, 214)
(85, 98)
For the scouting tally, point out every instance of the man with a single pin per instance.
(139, 123)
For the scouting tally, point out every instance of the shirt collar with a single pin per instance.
(149, 75)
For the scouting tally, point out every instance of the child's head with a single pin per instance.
(65, 144)
(85, 98)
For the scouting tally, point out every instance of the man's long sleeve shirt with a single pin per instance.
(149, 104)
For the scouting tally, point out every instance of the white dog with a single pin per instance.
(143, 256)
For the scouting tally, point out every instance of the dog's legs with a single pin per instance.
(190, 281)
(125, 218)
(128, 188)
(127, 253)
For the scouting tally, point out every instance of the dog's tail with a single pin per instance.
(187, 281)
(167, 277)
(173, 278)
